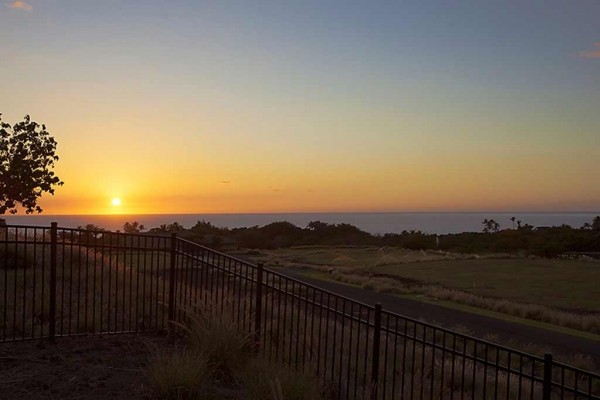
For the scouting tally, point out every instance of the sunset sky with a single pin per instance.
(221, 106)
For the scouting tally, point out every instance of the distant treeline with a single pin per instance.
(542, 241)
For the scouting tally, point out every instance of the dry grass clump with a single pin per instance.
(214, 355)
(265, 380)
(218, 358)
(218, 339)
(179, 375)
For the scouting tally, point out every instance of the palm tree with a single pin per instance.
(495, 225)
(513, 221)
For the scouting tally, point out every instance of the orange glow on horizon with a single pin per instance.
(461, 182)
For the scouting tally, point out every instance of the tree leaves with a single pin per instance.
(27, 156)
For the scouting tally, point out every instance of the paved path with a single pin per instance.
(479, 325)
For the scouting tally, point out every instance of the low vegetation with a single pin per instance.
(560, 292)
(218, 361)
(419, 369)
(179, 374)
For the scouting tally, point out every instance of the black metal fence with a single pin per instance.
(59, 282)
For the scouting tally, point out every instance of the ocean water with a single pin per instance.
(439, 223)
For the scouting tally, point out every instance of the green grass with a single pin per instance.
(564, 284)
(558, 283)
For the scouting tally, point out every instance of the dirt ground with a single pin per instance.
(91, 367)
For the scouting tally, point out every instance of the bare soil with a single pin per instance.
(89, 367)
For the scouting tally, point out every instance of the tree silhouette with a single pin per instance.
(513, 221)
(27, 156)
(174, 227)
(594, 226)
(89, 233)
(317, 226)
(133, 227)
(596, 223)
(489, 226)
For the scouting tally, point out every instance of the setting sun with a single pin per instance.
(116, 202)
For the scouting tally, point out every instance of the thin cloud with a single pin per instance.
(591, 53)
(20, 5)
(225, 182)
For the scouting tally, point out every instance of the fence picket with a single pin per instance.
(258, 305)
(52, 294)
(172, 276)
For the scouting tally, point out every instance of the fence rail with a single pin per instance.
(62, 281)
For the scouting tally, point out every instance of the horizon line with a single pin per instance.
(313, 212)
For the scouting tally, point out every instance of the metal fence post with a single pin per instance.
(172, 277)
(53, 260)
(376, 349)
(258, 305)
(547, 388)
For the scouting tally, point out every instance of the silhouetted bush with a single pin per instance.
(542, 241)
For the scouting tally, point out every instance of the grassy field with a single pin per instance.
(560, 283)
(564, 284)
(557, 292)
